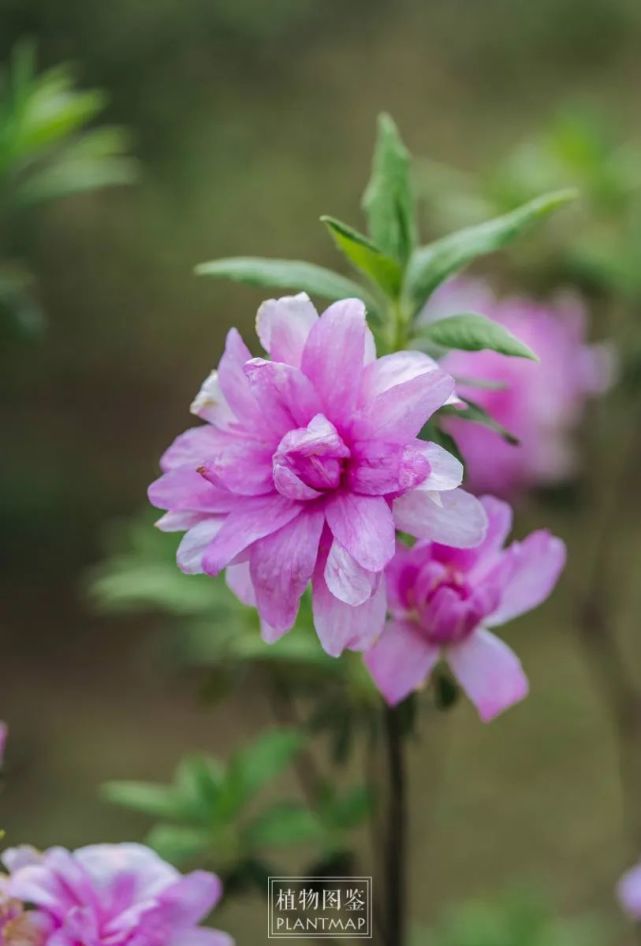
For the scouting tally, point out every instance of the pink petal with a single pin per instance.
(180, 521)
(239, 581)
(194, 544)
(307, 460)
(201, 937)
(341, 625)
(364, 526)
(283, 326)
(533, 568)
(446, 472)
(210, 404)
(285, 394)
(191, 448)
(189, 900)
(257, 517)
(186, 490)
(394, 369)
(346, 579)
(379, 467)
(401, 660)
(281, 565)
(490, 673)
(241, 466)
(333, 356)
(399, 412)
(234, 384)
(629, 892)
(452, 518)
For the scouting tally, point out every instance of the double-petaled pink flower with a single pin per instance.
(541, 403)
(120, 894)
(443, 600)
(306, 465)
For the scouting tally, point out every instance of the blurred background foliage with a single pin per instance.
(247, 122)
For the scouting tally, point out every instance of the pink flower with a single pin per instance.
(629, 892)
(540, 403)
(442, 600)
(121, 894)
(305, 466)
(4, 735)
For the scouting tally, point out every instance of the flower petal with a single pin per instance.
(241, 466)
(379, 468)
(191, 448)
(186, 490)
(490, 673)
(339, 625)
(364, 526)
(281, 565)
(285, 394)
(193, 545)
(239, 581)
(532, 570)
(333, 357)
(399, 412)
(257, 517)
(629, 892)
(346, 579)
(189, 900)
(452, 518)
(210, 404)
(234, 384)
(401, 660)
(446, 472)
(283, 325)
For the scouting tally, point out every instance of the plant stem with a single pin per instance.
(396, 830)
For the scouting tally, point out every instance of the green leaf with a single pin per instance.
(253, 767)
(157, 801)
(471, 332)
(365, 255)
(388, 201)
(477, 414)
(198, 782)
(179, 843)
(431, 265)
(284, 824)
(285, 274)
(347, 811)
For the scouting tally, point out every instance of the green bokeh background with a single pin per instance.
(250, 119)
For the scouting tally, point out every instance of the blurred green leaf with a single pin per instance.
(365, 255)
(388, 200)
(256, 765)
(431, 265)
(198, 782)
(179, 843)
(469, 331)
(157, 801)
(285, 274)
(348, 810)
(285, 823)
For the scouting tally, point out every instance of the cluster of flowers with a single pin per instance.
(121, 894)
(308, 463)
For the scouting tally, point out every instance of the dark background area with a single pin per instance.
(250, 119)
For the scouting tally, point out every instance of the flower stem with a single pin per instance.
(396, 829)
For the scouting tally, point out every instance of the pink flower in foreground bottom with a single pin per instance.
(541, 402)
(120, 894)
(442, 601)
(306, 465)
(629, 892)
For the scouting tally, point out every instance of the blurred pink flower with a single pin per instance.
(305, 466)
(629, 892)
(442, 600)
(540, 403)
(4, 735)
(121, 894)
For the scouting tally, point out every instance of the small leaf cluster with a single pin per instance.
(47, 151)
(397, 273)
(208, 814)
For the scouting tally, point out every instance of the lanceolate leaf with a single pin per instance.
(388, 201)
(283, 824)
(253, 767)
(471, 332)
(285, 274)
(365, 255)
(431, 265)
(474, 412)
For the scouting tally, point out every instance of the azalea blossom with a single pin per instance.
(629, 892)
(443, 601)
(306, 464)
(541, 403)
(121, 894)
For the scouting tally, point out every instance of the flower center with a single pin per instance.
(448, 608)
(310, 461)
